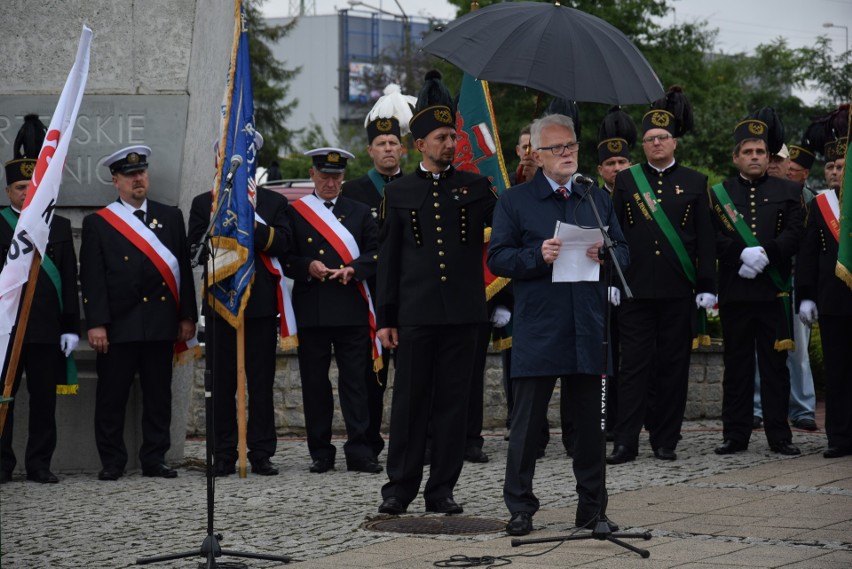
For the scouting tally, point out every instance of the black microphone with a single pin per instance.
(236, 162)
(582, 180)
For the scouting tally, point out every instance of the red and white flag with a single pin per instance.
(39, 208)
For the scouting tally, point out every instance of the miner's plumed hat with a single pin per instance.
(26, 148)
(435, 107)
(329, 160)
(671, 112)
(616, 135)
(391, 114)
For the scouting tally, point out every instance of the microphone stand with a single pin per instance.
(602, 531)
(210, 548)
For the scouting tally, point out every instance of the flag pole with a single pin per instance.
(241, 394)
(20, 332)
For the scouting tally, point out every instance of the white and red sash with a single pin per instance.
(132, 228)
(321, 218)
(288, 330)
(829, 207)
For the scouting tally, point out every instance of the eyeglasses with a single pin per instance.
(558, 149)
(656, 138)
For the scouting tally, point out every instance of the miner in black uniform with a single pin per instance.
(54, 319)
(824, 296)
(138, 303)
(272, 238)
(334, 252)
(431, 300)
(384, 134)
(801, 161)
(758, 220)
(663, 210)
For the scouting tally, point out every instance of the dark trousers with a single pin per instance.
(564, 414)
(432, 383)
(260, 344)
(352, 352)
(532, 396)
(837, 358)
(116, 371)
(656, 343)
(749, 327)
(376, 383)
(45, 366)
(477, 388)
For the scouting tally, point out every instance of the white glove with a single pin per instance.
(754, 257)
(500, 317)
(808, 312)
(614, 296)
(68, 343)
(747, 272)
(705, 300)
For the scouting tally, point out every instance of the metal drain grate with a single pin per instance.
(437, 525)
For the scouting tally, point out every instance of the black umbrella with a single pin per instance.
(548, 47)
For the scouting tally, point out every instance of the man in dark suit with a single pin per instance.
(385, 148)
(758, 221)
(431, 303)
(272, 239)
(663, 211)
(334, 252)
(825, 297)
(53, 325)
(558, 327)
(139, 300)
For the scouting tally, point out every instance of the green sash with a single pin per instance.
(784, 336)
(49, 267)
(663, 222)
(377, 180)
(665, 225)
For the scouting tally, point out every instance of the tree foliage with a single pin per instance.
(270, 82)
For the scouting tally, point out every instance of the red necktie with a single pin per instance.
(563, 192)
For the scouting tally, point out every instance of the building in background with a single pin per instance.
(346, 59)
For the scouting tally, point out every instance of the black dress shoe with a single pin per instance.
(263, 467)
(159, 471)
(42, 477)
(835, 452)
(7, 476)
(805, 424)
(520, 524)
(391, 505)
(620, 455)
(785, 448)
(109, 474)
(730, 447)
(366, 464)
(222, 468)
(475, 454)
(592, 523)
(756, 422)
(665, 453)
(321, 465)
(443, 506)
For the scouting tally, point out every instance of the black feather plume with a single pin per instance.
(676, 103)
(775, 134)
(618, 124)
(825, 128)
(30, 138)
(434, 92)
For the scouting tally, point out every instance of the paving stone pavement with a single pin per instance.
(318, 520)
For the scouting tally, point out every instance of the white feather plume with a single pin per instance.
(393, 104)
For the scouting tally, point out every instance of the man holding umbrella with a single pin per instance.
(559, 326)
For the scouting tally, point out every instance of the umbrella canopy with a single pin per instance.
(548, 47)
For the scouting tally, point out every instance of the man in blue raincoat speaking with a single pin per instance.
(559, 326)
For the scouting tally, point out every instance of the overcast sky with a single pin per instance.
(742, 24)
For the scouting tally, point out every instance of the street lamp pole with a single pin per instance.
(845, 29)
